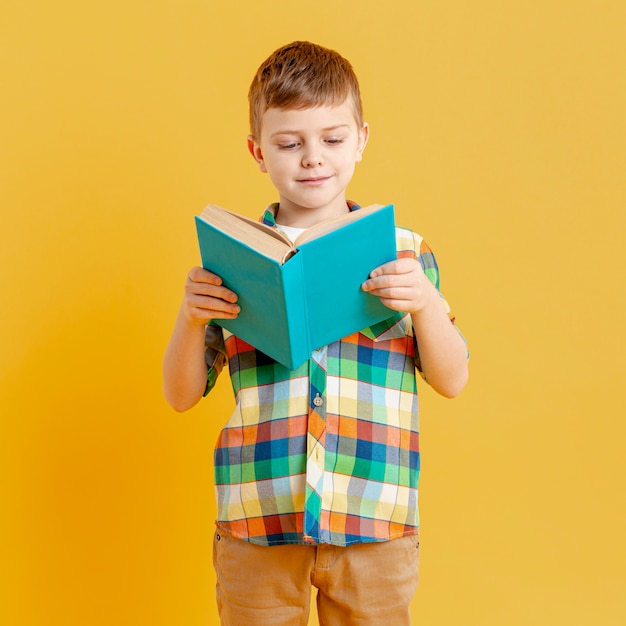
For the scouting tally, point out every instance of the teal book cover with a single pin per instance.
(296, 298)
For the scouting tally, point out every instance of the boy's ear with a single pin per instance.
(255, 150)
(364, 135)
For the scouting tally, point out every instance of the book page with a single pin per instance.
(335, 223)
(256, 235)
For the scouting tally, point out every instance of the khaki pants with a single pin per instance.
(365, 584)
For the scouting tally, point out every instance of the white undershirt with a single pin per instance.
(291, 231)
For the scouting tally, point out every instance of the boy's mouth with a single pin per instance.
(314, 181)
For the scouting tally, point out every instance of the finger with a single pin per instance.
(398, 266)
(382, 281)
(203, 312)
(210, 303)
(200, 275)
(209, 289)
(204, 316)
(396, 305)
(207, 283)
(391, 281)
(395, 293)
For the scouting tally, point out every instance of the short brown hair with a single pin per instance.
(302, 75)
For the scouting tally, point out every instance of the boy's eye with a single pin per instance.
(292, 145)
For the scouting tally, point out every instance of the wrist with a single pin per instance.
(429, 301)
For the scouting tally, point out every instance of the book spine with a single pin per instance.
(294, 287)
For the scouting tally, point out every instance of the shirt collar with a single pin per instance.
(269, 216)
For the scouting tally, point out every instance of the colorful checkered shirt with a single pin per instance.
(329, 452)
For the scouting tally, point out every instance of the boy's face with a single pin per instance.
(310, 155)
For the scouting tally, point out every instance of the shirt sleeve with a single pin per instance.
(423, 253)
(214, 354)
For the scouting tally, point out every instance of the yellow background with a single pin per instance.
(498, 130)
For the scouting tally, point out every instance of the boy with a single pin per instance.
(316, 470)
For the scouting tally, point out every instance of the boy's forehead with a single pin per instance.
(315, 117)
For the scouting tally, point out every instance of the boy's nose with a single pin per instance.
(312, 159)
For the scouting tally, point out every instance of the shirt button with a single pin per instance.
(318, 400)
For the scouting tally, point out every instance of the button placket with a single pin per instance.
(315, 441)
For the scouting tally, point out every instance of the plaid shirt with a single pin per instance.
(329, 452)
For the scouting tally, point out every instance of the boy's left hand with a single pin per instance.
(401, 285)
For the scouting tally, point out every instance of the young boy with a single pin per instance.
(317, 469)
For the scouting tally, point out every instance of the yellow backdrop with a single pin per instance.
(498, 130)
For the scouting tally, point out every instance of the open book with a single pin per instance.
(297, 297)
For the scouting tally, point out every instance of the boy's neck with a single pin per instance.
(288, 214)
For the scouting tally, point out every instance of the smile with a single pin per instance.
(314, 182)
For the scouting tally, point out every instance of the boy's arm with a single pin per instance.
(402, 286)
(184, 366)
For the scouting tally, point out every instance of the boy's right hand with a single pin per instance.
(206, 299)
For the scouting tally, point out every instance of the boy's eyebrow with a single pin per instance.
(295, 132)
